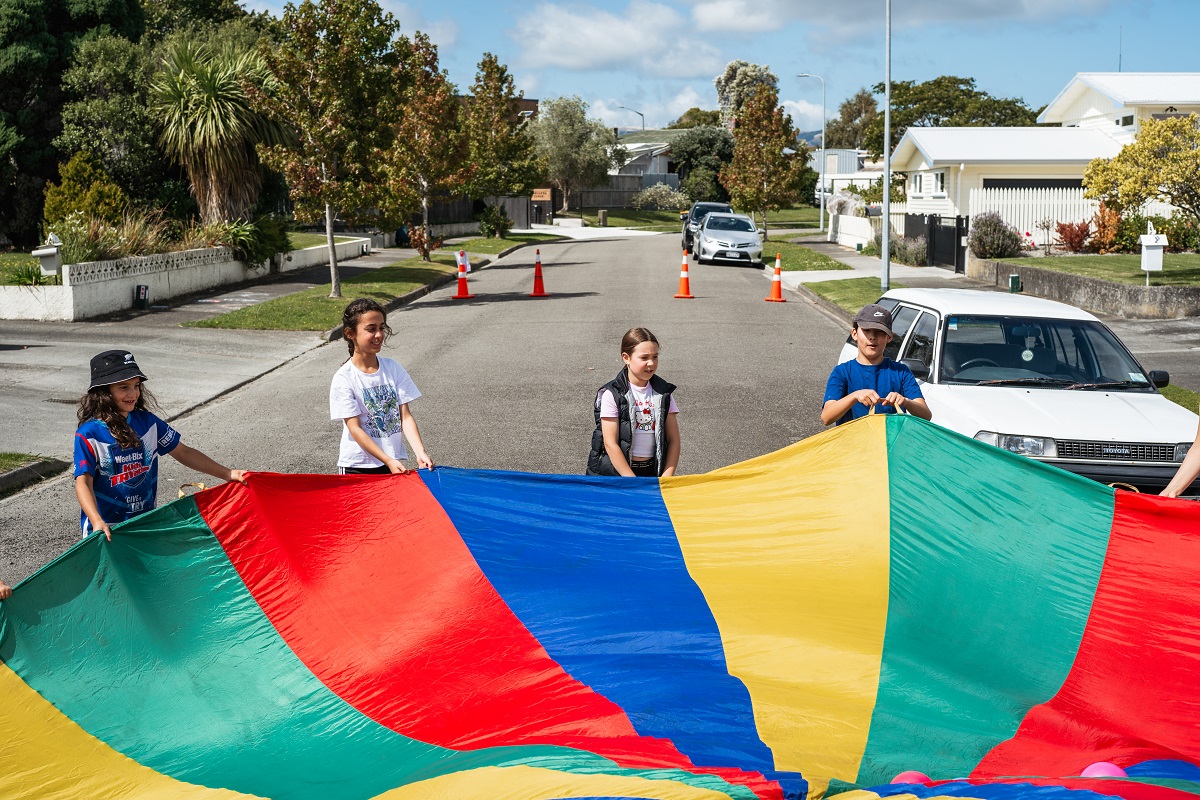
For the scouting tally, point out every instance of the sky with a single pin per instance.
(659, 57)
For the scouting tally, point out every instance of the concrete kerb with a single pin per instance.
(31, 473)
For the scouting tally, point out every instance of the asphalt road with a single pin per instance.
(508, 380)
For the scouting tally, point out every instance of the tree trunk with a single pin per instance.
(766, 233)
(425, 227)
(566, 193)
(335, 282)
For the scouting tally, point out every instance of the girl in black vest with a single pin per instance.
(637, 433)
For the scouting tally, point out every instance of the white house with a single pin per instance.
(1096, 115)
(1118, 102)
(944, 164)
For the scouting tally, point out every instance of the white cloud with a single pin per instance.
(665, 106)
(643, 38)
(739, 16)
(442, 32)
(806, 116)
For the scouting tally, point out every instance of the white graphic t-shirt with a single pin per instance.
(643, 418)
(375, 399)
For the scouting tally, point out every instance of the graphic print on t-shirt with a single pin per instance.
(383, 410)
(126, 466)
(643, 413)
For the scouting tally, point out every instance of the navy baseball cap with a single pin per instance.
(114, 366)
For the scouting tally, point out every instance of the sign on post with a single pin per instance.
(1152, 250)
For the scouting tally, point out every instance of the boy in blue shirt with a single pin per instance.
(869, 379)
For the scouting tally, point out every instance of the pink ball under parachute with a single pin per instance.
(912, 776)
(1103, 769)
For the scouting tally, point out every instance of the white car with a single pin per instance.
(1039, 378)
(728, 237)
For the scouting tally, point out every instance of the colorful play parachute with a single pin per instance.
(884, 597)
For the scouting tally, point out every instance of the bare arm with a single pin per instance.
(612, 445)
(833, 410)
(87, 501)
(192, 458)
(354, 425)
(1188, 471)
(408, 423)
(671, 459)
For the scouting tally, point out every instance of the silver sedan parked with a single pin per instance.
(728, 237)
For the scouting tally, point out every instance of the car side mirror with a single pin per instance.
(918, 367)
(761, 232)
(683, 216)
(1159, 377)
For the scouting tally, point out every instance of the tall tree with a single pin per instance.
(501, 148)
(426, 160)
(37, 40)
(769, 160)
(334, 63)
(737, 83)
(700, 154)
(694, 117)
(1162, 163)
(855, 114)
(211, 128)
(941, 102)
(578, 151)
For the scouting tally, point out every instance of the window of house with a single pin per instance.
(939, 183)
(1127, 120)
(916, 184)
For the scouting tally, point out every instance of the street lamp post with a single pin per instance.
(823, 159)
(640, 114)
(885, 273)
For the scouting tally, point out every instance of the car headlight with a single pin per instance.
(1181, 450)
(723, 244)
(1021, 445)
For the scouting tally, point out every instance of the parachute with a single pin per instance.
(884, 597)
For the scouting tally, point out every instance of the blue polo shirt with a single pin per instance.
(124, 480)
(885, 377)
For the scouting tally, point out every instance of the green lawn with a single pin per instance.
(1179, 269)
(10, 461)
(795, 217)
(852, 293)
(10, 262)
(1184, 397)
(659, 221)
(796, 257)
(303, 240)
(314, 310)
(493, 246)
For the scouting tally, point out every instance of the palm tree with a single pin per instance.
(204, 100)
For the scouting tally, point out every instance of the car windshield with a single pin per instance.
(729, 224)
(700, 212)
(1029, 351)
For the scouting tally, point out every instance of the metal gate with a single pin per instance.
(946, 242)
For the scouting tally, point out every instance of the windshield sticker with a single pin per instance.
(1138, 377)
(1027, 355)
(953, 323)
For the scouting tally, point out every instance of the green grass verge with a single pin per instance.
(796, 257)
(1179, 269)
(10, 461)
(314, 310)
(659, 221)
(494, 246)
(303, 240)
(10, 263)
(1181, 396)
(795, 217)
(852, 293)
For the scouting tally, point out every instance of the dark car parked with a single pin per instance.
(692, 220)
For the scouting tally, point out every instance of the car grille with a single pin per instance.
(1116, 451)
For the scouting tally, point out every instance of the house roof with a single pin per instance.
(1128, 89)
(946, 146)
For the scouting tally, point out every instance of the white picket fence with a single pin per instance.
(1024, 208)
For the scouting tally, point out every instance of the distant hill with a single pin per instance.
(813, 138)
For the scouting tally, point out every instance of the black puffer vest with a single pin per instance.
(598, 462)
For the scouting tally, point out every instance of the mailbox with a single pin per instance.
(50, 260)
(1152, 251)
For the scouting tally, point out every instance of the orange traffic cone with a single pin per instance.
(776, 283)
(539, 289)
(685, 286)
(463, 266)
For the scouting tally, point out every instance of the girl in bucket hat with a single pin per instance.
(118, 443)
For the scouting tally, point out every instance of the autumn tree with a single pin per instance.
(738, 82)
(946, 101)
(426, 159)
(500, 146)
(769, 160)
(577, 151)
(849, 128)
(1162, 163)
(334, 63)
(694, 117)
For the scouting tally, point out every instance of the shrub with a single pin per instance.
(494, 222)
(1180, 231)
(992, 237)
(701, 186)
(28, 275)
(421, 241)
(913, 252)
(1073, 235)
(1107, 222)
(660, 197)
(85, 187)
